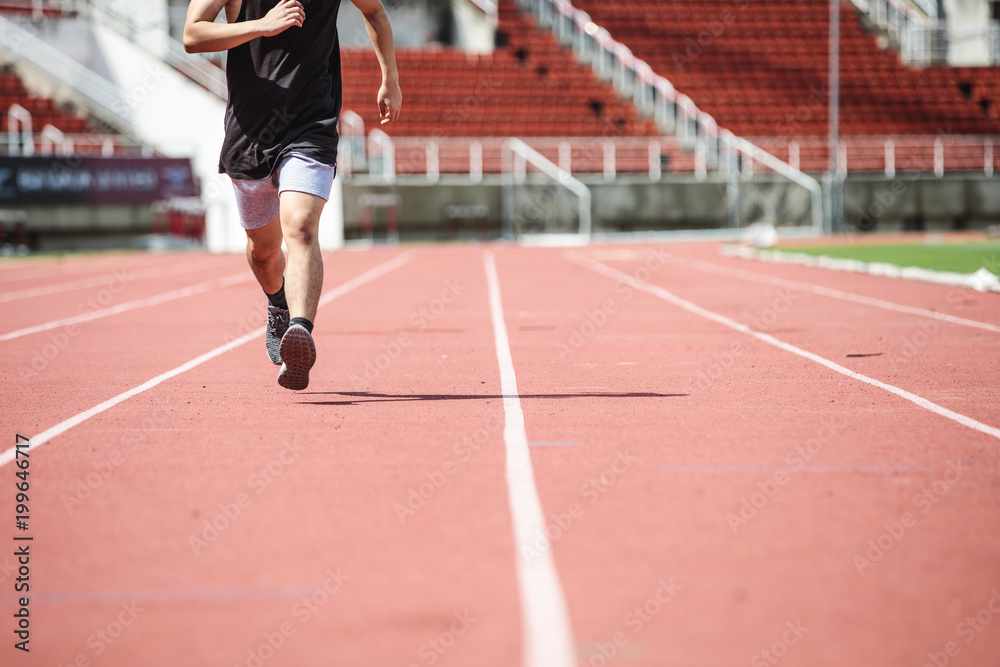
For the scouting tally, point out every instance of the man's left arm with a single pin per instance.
(390, 97)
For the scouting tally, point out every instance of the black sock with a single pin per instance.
(303, 321)
(278, 298)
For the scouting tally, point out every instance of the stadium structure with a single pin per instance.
(530, 119)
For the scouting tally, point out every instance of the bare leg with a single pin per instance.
(264, 254)
(300, 214)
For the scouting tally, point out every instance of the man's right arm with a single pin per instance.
(203, 34)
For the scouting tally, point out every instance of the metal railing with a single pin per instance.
(75, 145)
(381, 155)
(743, 167)
(472, 157)
(654, 96)
(23, 141)
(352, 155)
(892, 155)
(52, 141)
(515, 156)
(20, 138)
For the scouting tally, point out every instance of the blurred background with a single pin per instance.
(530, 119)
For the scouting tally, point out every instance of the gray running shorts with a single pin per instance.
(257, 201)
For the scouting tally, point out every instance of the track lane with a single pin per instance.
(699, 456)
(372, 438)
(671, 298)
(367, 441)
(937, 360)
(957, 301)
(106, 279)
(125, 289)
(53, 377)
(18, 274)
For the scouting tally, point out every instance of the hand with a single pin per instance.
(286, 14)
(390, 99)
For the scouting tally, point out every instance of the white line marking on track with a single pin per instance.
(60, 428)
(669, 297)
(228, 281)
(170, 596)
(121, 275)
(547, 636)
(719, 269)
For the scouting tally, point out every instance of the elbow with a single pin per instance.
(191, 44)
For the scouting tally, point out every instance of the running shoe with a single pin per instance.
(298, 354)
(277, 325)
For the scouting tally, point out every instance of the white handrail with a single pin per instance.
(352, 131)
(780, 167)
(51, 137)
(22, 140)
(433, 167)
(894, 154)
(510, 176)
(476, 161)
(380, 143)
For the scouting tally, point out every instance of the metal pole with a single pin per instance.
(836, 185)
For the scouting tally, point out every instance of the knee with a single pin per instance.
(262, 252)
(300, 229)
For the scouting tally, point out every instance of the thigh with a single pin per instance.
(257, 202)
(266, 239)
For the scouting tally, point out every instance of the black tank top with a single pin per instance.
(284, 93)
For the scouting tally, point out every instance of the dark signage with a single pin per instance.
(94, 180)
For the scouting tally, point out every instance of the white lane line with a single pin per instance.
(547, 638)
(173, 295)
(60, 428)
(123, 276)
(169, 596)
(718, 269)
(771, 340)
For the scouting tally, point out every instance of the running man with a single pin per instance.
(281, 144)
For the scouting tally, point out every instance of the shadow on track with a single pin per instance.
(362, 397)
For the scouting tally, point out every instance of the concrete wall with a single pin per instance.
(952, 202)
(873, 203)
(76, 227)
(627, 204)
(635, 204)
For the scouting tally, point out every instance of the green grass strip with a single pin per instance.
(959, 258)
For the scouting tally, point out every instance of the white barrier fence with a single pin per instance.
(893, 154)
(23, 141)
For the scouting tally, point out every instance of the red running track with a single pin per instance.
(711, 498)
